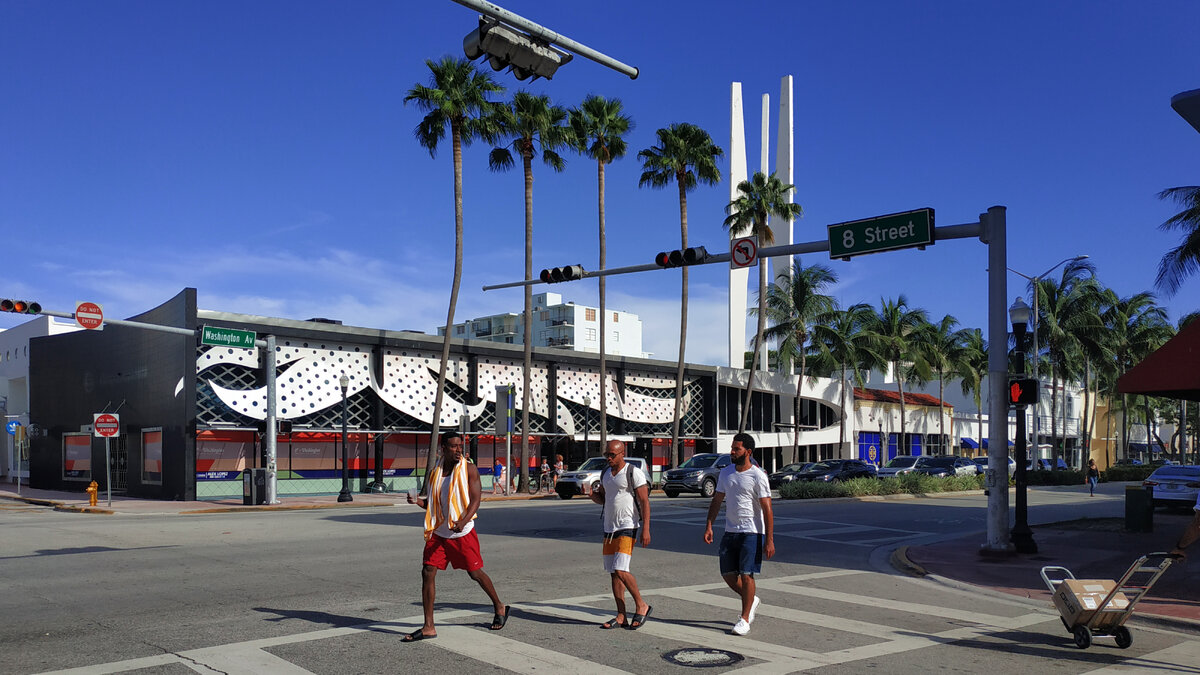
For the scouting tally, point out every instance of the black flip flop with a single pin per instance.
(639, 620)
(612, 623)
(499, 621)
(417, 635)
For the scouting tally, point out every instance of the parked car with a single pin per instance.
(1128, 462)
(982, 463)
(698, 474)
(902, 464)
(948, 465)
(837, 469)
(786, 474)
(1175, 485)
(1163, 462)
(571, 483)
(1056, 464)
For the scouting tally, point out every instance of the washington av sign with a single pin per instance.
(882, 233)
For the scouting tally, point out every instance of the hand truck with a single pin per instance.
(1136, 582)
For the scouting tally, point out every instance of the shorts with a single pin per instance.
(741, 553)
(461, 552)
(618, 550)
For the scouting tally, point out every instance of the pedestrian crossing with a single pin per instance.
(826, 531)
(794, 608)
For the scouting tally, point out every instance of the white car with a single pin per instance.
(1174, 485)
(572, 483)
(982, 462)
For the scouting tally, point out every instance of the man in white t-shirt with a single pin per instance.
(625, 495)
(749, 526)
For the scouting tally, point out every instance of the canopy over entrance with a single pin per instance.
(1173, 370)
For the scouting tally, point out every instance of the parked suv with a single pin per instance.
(571, 483)
(698, 474)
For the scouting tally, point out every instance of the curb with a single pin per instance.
(900, 561)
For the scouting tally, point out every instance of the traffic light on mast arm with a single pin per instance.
(1023, 392)
(688, 256)
(19, 306)
(556, 275)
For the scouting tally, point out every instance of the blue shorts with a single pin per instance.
(741, 553)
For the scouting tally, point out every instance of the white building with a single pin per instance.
(565, 325)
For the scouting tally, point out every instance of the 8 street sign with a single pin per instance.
(227, 337)
(882, 233)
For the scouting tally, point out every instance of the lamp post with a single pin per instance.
(344, 495)
(1037, 374)
(1022, 536)
(587, 422)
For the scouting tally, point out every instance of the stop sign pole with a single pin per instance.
(106, 425)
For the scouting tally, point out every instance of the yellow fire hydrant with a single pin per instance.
(93, 491)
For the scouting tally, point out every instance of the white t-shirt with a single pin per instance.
(444, 530)
(620, 510)
(743, 489)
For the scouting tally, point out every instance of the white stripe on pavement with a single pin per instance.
(491, 648)
(1163, 660)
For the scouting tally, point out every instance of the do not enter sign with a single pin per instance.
(89, 315)
(106, 425)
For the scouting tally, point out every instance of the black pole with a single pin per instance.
(1021, 536)
(344, 495)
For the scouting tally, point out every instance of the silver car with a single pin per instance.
(572, 483)
(1174, 485)
(901, 465)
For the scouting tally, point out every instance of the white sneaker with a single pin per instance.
(753, 609)
(741, 627)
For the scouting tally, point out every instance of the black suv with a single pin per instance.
(698, 474)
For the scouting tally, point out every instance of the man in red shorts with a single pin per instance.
(454, 496)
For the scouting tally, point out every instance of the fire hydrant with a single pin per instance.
(93, 491)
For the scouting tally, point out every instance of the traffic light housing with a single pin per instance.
(1023, 392)
(678, 258)
(506, 46)
(556, 275)
(19, 306)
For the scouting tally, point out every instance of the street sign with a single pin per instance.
(106, 425)
(743, 252)
(89, 315)
(12, 427)
(882, 233)
(227, 337)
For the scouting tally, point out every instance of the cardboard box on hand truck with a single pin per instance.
(1077, 600)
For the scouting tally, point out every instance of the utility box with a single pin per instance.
(254, 487)
(1078, 600)
(1139, 509)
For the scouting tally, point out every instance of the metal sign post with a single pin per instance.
(504, 424)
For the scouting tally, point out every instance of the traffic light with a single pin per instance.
(20, 306)
(505, 46)
(1023, 392)
(688, 256)
(556, 275)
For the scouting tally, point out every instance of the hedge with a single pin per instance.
(912, 483)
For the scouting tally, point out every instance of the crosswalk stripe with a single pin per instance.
(519, 657)
(240, 660)
(734, 605)
(1161, 660)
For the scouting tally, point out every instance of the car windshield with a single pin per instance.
(981, 461)
(1177, 471)
(593, 464)
(794, 467)
(824, 466)
(902, 462)
(941, 462)
(699, 462)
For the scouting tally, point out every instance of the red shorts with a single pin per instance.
(461, 552)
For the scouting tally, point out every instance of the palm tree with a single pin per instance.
(1137, 326)
(686, 155)
(533, 124)
(455, 99)
(842, 344)
(795, 305)
(971, 371)
(943, 349)
(1184, 260)
(759, 198)
(599, 126)
(891, 329)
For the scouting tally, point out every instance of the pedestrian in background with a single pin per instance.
(1093, 477)
(749, 526)
(625, 494)
(498, 478)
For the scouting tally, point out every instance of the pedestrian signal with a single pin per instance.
(1023, 392)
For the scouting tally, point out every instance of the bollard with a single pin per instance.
(93, 491)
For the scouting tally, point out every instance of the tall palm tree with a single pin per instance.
(1093, 343)
(843, 344)
(971, 371)
(891, 328)
(599, 126)
(456, 99)
(943, 349)
(686, 155)
(534, 125)
(1137, 326)
(1184, 260)
(795, 304)
(759, 198)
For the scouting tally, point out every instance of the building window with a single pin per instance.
(589, 314)
(590, 334)
(460, 329)
(616, 317)
(616, 337)
(545, 316)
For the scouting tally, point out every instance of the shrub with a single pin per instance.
(861, 487)
(1127, 473)
(812, 490)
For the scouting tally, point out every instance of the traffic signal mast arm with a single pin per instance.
(962, 231)
(140, 324)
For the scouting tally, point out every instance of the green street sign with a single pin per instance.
(882, 233)
(227, 337)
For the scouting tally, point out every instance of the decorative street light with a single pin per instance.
(587, 422)
(1021, 536)
(344, 495)
(1034, 281)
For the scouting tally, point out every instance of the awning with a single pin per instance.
(1143, 447)
(1173, 370)
(985, 444)
(970, 443)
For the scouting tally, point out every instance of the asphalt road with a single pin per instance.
(332, 591)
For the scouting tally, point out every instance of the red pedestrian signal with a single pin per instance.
(1023, 392)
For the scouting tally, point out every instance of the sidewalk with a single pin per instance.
(1091, 549)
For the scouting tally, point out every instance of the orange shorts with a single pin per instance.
(461, 552)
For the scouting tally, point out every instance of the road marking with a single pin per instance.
(1162, 660)
(516, 656)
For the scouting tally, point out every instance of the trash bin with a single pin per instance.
(254, 487)
(1139, 508)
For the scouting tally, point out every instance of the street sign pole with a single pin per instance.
(107, 471)
(272, 425)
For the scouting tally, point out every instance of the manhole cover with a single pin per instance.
(703, 658)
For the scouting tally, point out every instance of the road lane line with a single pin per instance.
(490, 648)
(1168, 659)
(240, 660)
(853, 626)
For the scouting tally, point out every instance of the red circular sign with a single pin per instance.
(89, 315)
(106, 425)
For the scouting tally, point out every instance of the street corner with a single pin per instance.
(901, 562)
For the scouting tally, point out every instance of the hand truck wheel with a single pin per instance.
(1083, 636)
(1123, 636)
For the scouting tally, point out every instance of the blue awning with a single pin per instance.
(985, 444)
(1143, 447)
(970, 443)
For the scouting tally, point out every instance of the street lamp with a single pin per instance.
(1037, 374)
(587, 422)
(344, 495)
(1021, 536)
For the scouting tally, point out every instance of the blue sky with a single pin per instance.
(261, 152)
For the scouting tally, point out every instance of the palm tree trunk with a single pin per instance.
(527, 364)
(758, 339)
(842, 431)
(1053, 405)
(902, 441)
(942, 412)
(796, 416)
(676, 452)
(603, 316)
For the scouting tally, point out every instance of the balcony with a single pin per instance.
(560, 322)
(560, 342)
